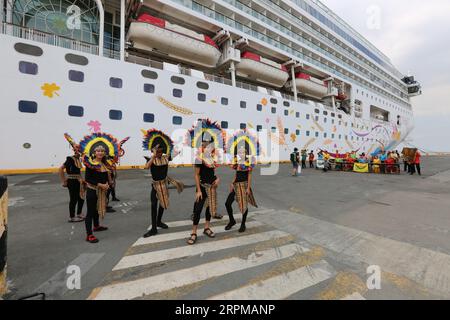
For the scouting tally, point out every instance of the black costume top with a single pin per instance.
(71, 167)
(159, 168)
(95, 177)
(207, 174)
(241, 176)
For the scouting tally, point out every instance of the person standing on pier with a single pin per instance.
(311, 159)
(112, 189)
(206, 138)
(295, 160)
(161, 146)
(415, 163)
(100, 152)
(73, 181)
(98, 180)
(244, 148)
(304, 157)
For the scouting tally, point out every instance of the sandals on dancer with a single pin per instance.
(193, 239)
(76, 219)
(218, 217)
(209, 233)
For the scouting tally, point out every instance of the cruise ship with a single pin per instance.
(292, 72)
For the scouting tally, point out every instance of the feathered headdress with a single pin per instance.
(108, 142)
(69, 139)
(154, 137)
(249, 144)
(205, 130)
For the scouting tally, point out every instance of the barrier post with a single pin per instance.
(3, 232)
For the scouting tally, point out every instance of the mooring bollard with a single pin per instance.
(3, 232)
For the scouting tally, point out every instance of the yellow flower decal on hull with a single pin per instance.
(50, 89)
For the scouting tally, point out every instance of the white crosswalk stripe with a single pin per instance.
(183, 234)
(167, 281)
(187, 250)
(354, 296)
(281, 286)
(263, 246)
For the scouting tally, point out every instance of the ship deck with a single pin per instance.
(344, 222)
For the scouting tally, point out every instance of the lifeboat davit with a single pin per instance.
(310, 86)
(150, 33)
(257, 68)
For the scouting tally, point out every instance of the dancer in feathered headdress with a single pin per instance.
(73, 181)
(207, 139)
(244, 149)
(101, 151)
(162, 148)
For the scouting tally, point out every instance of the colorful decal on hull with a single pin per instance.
(174, 107)
(50, 89)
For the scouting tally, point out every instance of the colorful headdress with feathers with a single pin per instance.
(249, 144)
(205, 130)
(108, 142)
(154, 137)
(69, 139)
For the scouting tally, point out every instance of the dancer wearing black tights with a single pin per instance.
(74, 182)
(97, 182)
(241, 191)
(206, 184)
(159, 166)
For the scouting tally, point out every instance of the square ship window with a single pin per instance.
(28, 67)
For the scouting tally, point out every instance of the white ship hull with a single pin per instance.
(34, 141)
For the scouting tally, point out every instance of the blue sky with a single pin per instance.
(415, 35)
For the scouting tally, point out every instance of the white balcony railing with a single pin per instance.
(47, 38)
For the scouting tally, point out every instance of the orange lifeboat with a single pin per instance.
(259, 69)
(150, 33)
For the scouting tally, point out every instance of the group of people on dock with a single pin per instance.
(100, 153)
(383, 162)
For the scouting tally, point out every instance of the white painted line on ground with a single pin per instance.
(41, 181)
(281, 286)
(185, 234)
(199, 248)
(16, 201)
(354, 296)
(56, 286)
(429, 268)
(171, 280)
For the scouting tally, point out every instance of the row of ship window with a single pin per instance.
(383, 101)
(78, 76)
(78, 111)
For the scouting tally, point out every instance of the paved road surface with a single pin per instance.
(312, 237)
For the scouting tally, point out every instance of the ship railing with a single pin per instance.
(47, 38)
(143, 61)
